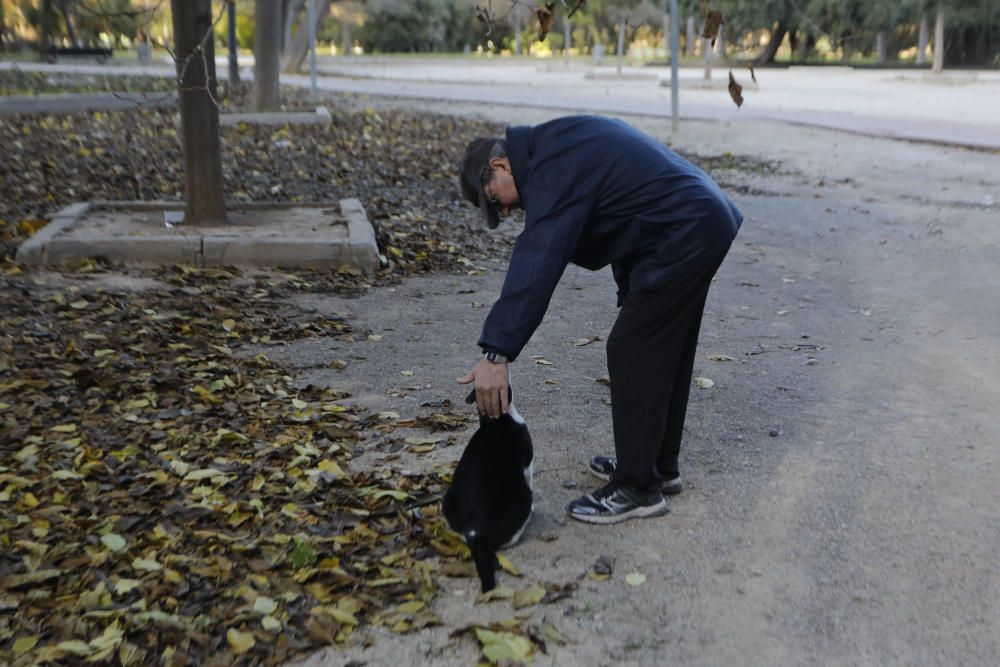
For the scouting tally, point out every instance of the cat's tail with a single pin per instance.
(485, 559)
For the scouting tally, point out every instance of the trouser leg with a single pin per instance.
(670, 448)
(650, 359)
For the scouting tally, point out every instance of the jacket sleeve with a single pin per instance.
(540, 256)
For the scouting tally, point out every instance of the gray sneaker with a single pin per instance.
(604, 467)
(616, 502)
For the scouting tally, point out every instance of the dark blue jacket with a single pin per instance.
(595, 192)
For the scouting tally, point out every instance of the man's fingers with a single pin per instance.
(482, 401)
(466, 379)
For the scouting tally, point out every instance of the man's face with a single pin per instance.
(499, 186)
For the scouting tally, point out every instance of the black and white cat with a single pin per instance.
(489, 502)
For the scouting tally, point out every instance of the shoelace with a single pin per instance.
(605, 491)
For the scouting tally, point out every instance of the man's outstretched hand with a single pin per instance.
(491, 387)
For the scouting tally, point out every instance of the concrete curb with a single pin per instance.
(35, 251)
(359, 251)
(321, 116)
(361, 246)
(80, 102)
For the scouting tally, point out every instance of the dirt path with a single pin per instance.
(842, 472)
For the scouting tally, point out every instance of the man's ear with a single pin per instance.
(500, 163)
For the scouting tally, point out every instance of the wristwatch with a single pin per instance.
(495, 358)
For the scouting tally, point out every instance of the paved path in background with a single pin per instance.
(957, 108)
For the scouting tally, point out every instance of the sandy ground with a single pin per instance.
(841, 474)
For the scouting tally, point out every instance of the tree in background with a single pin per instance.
(266, 54)
(194, 50)
(409, 26)
(3, 26)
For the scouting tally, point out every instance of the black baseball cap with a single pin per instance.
(471, 171)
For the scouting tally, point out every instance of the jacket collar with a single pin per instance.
(519, 152)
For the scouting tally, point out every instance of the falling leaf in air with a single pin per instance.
(712, 22)
(546, 19)
(735, 90)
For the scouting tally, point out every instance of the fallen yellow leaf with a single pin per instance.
(240, 642)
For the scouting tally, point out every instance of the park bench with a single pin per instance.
(99, 54)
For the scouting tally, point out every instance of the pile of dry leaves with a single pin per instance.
(168, 497)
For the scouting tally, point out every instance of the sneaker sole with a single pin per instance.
(671, 488)
(642, 512)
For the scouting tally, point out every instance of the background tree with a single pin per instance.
(266, 47)
(195, 54)
(3, 26)
(296, 53)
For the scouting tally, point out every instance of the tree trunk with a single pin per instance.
(805, 47)
(777, 37)
(267, 38)
(922, 41)
(690, 38)
(3, 30)
(46, 30)
(70, 28)
(720, 43)
(286, 12)
(292, 9)
(195, 53)
(346, 43)
(706, 49)
(621, 42)
(847, 46)
(567, 40)
(880, 48)
(300, 44)
(234, 64)
(517, 30)
(939, 39)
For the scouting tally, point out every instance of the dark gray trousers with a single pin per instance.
(651, 352)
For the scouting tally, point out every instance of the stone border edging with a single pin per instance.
(360, 250)
(34, 251)
(80, 102)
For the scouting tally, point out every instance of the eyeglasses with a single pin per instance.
(485, 177)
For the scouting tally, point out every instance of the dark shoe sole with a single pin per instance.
(671, 487)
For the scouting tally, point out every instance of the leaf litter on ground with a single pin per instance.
(110, 399)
